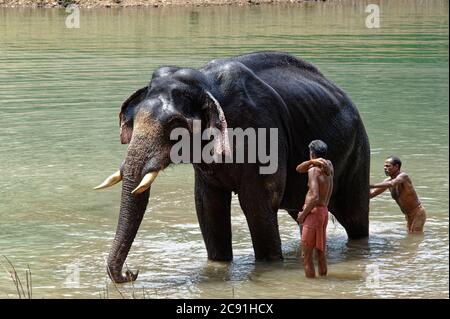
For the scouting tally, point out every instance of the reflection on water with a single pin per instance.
(60, 92)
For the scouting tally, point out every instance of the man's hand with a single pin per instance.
(301, 217)
(321, 163)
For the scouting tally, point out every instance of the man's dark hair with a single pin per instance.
(318, 148)
(395, 160)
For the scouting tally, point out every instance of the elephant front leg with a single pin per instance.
(213, 207)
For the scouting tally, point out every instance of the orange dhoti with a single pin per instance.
(314, 228)
(416, 219)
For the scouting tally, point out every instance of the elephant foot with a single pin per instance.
(360, 232)
(221, 258)
(270, 258)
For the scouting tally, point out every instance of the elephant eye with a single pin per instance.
(187, 95)
(177, 120)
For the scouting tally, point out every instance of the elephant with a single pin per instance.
(267, 89)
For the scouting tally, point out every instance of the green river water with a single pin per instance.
(60, 94)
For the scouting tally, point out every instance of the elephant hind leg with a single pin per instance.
(351, 209)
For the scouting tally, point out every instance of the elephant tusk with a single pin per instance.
(111, 180)
(145, 183)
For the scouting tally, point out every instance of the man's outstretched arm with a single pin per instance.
(401, 178)
(376, 191)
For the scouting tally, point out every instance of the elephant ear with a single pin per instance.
(215, 119)
(127, 114)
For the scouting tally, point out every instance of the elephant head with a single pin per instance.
(173, 99)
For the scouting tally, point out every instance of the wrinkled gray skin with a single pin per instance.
(260, 90)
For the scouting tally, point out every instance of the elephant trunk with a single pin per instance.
(132, 209)
(144, 156)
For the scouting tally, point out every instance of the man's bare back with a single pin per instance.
(320, 184)
(324, 185)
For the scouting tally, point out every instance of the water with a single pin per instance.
(60, 93)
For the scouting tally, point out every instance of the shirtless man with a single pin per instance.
(403, 192)
(314, 217)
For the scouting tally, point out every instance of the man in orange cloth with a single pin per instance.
(314, 217)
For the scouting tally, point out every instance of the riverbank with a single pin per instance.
(134, 3)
